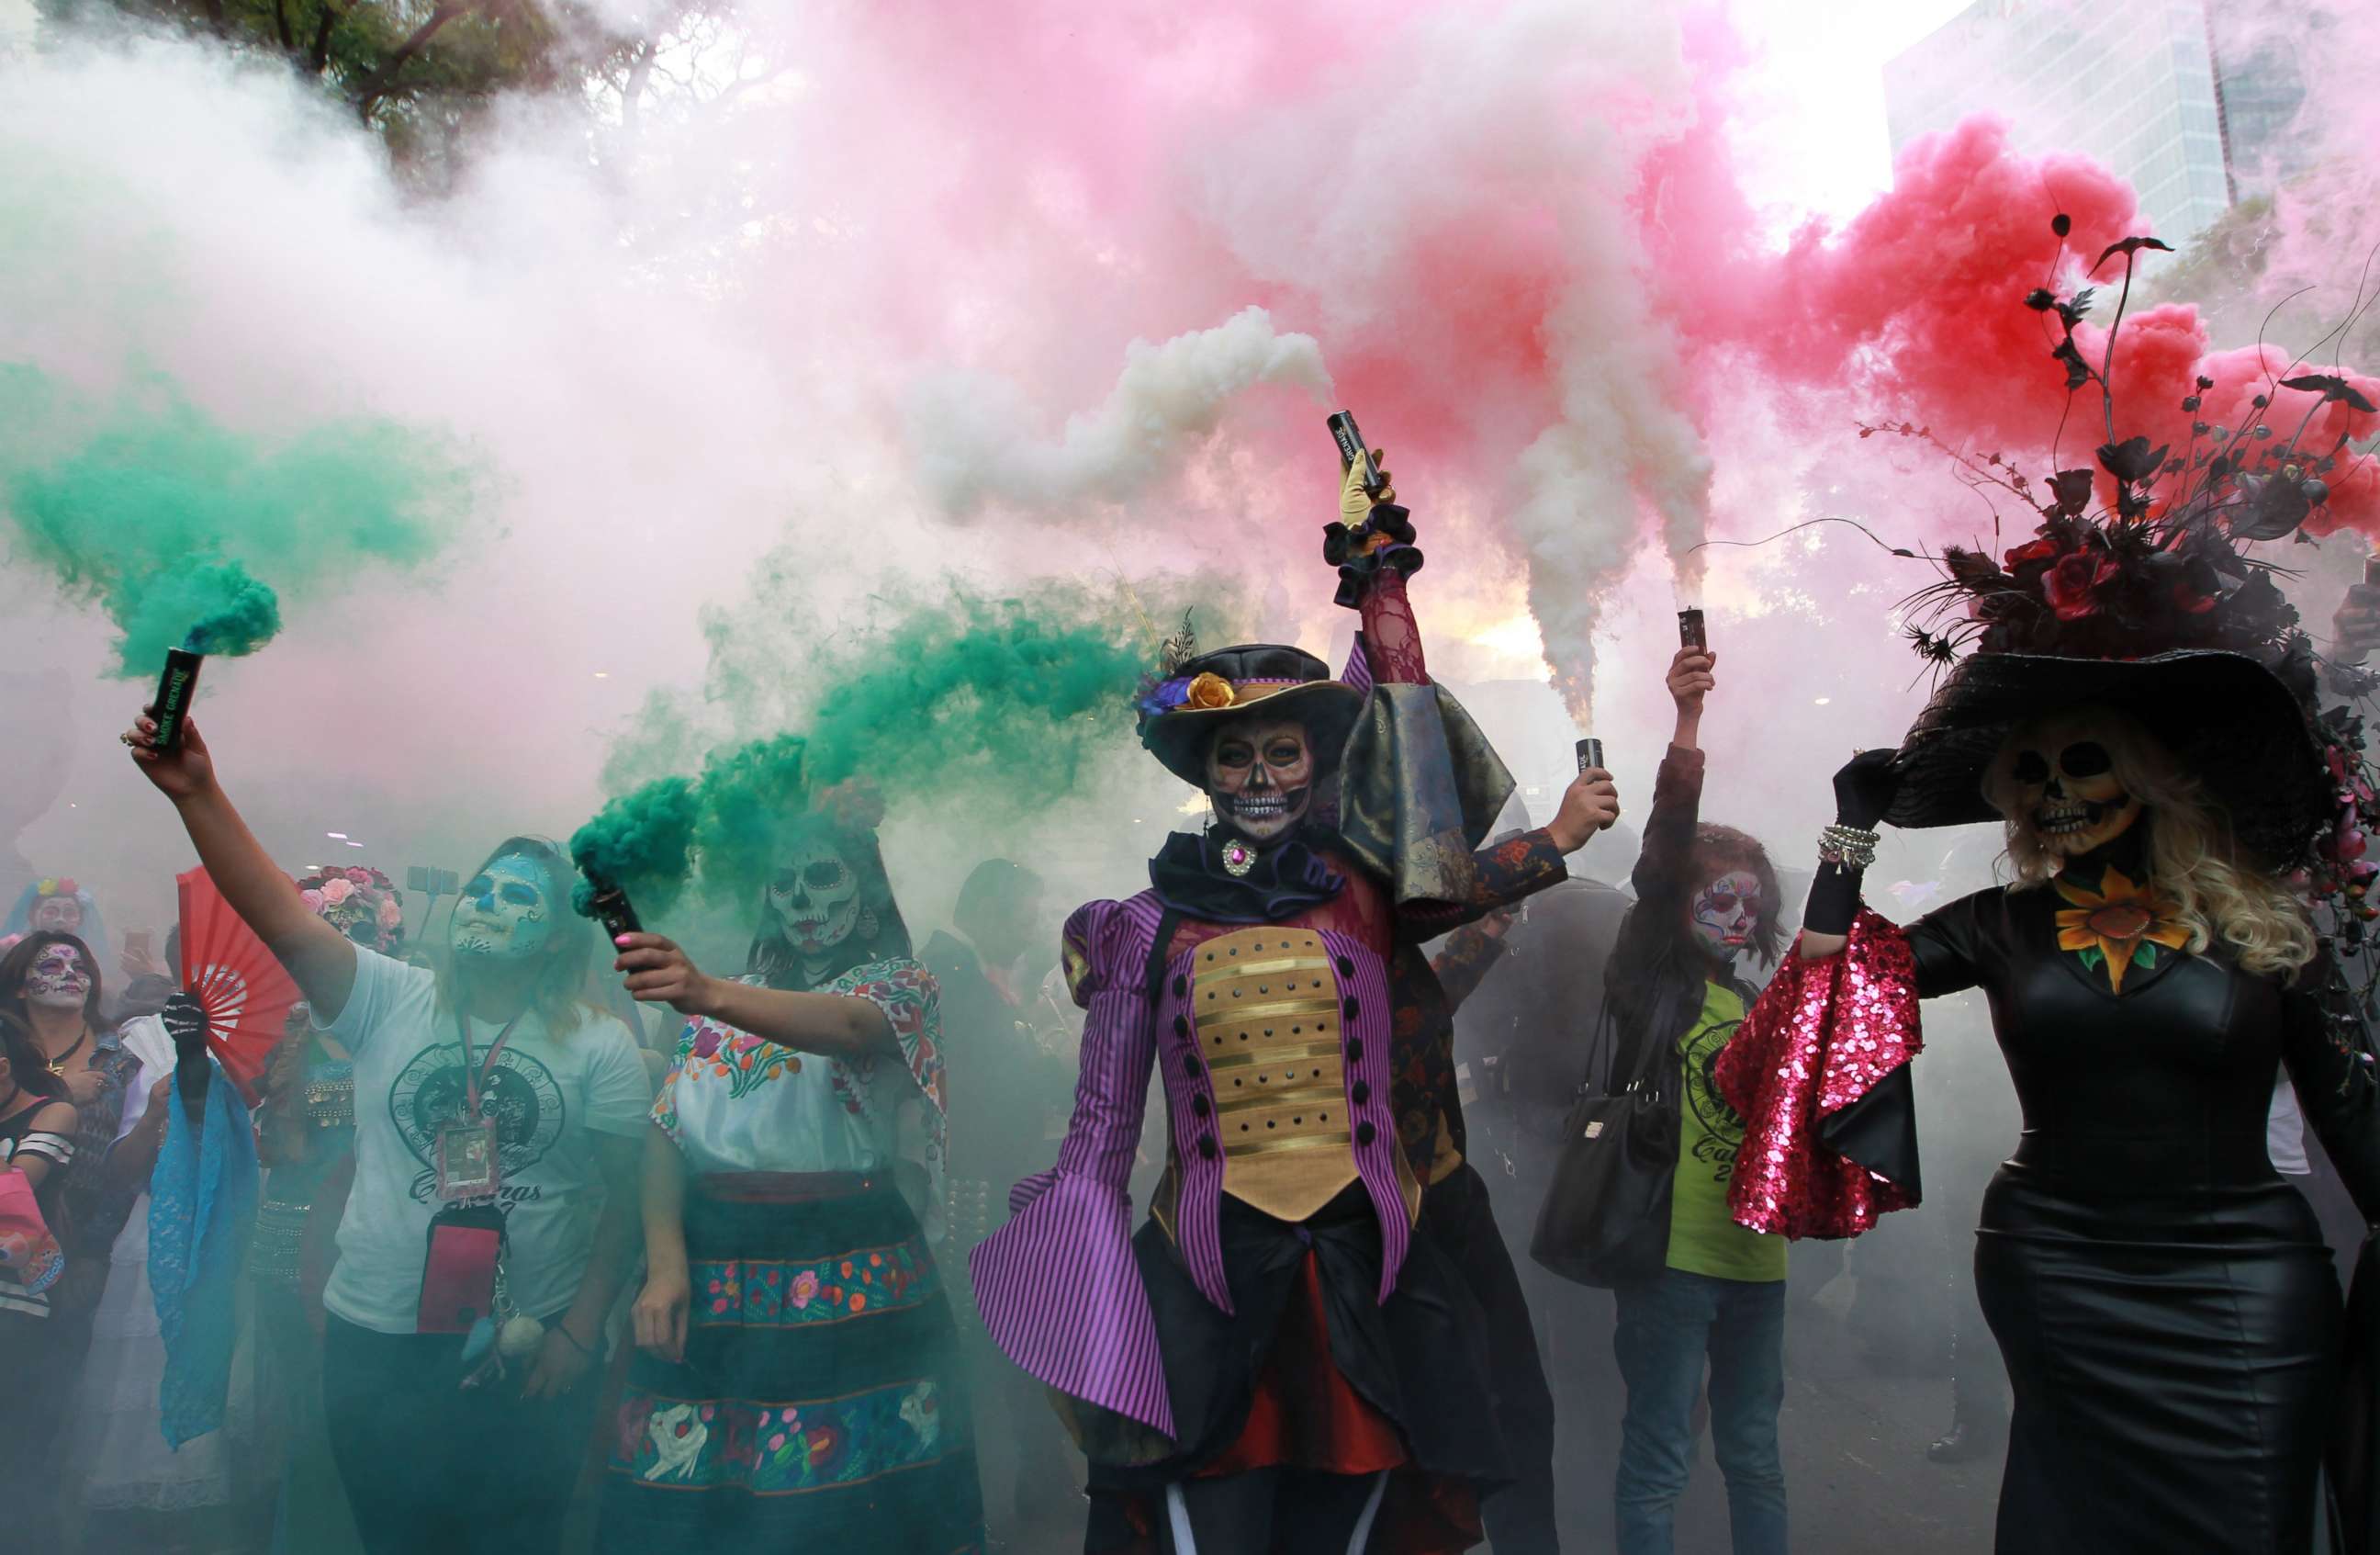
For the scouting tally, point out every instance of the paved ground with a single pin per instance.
(1858, 1480)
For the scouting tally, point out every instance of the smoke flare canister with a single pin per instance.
(1352, 447)
(175, 689)
(1690, 630)
(1590, 754)
(612, 910)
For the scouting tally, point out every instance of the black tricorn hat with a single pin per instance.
(1180, 713)
(2232, 722)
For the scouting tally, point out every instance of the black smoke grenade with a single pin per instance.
(1590, 757)
(1691, 633)
(175, 689)
(612, 908)
(1351, 447)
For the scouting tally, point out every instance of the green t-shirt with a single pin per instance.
(1703, 1239)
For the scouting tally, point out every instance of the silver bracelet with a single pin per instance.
(1847, 848)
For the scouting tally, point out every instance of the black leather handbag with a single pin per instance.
(1605, 1219)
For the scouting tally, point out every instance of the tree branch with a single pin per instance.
(640, 70)
(368, 97)
(318, 53)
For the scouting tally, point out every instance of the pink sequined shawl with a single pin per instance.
(1824, 1033)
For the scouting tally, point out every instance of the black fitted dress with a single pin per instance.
(2164, 1300)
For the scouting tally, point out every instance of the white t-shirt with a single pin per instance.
(550, 1098)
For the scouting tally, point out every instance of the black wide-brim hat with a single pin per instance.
(1181, 713)
(2231, 723)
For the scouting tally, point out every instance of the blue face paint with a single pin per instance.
(506, 913)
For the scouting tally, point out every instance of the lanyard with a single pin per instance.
(473, 1078)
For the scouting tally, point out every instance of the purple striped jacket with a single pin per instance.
(1057, 1285)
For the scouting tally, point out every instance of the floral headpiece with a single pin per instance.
(56, 885)
(362, 904)
(852, 805)
(2144, 556)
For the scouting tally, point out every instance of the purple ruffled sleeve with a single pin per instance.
(1057, 1286)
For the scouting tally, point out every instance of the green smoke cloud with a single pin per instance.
(180, 528)
(1003, 705)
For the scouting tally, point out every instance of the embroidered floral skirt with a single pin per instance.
(818, 1406)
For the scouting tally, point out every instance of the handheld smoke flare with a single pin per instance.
(609, 906)
(175, 688)
(1353, 448)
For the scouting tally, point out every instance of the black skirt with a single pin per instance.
(2174, 1359)
(1420, 1358)
(819, 1407)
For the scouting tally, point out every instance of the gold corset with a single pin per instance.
(1268, 1028)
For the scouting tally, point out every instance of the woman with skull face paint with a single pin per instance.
(1281, 1358)
(1715, 1296)
(497, 1127)
(50, 983)
(60, 905)
(2163, 1301)
(798, 1383)
(37, 1140)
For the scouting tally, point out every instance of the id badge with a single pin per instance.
(468, 1162)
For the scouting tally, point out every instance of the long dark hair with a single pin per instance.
(777, 964)
(1723, 850)
(28, 1065)
(20, 961)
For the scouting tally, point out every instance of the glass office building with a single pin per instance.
(2144, 87)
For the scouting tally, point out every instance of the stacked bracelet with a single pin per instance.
(1847, 848)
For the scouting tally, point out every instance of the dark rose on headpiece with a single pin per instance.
(2071, 586)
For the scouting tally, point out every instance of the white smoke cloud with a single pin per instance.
(972, 440)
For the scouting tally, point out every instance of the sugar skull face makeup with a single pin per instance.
(2064, 786)
(59, 978)
(506, 913)
(1260, 777)
(1725, 911)
(62, 914)
(815, 893)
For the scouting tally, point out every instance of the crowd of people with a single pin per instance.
(523, 1241)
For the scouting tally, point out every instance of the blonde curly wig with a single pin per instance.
(2190, 854)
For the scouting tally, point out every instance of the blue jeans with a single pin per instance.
(1667, 1327)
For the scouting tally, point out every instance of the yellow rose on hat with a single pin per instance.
(1209, 691)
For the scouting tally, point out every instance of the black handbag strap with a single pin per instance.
(1649, 1054)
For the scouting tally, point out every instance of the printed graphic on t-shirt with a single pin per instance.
(519, 1095)
(1721, 1134)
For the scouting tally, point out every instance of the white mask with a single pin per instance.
(506, 913)
(816, 897)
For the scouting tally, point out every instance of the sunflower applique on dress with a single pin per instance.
(2117, 927)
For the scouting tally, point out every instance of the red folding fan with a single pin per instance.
(245, 992)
